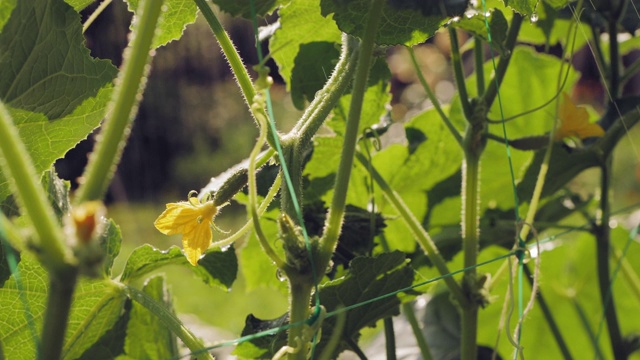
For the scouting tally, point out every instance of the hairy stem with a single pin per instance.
(300, 295)
(16, 164)
(327, 98)
(470, 241)
(335, 216)
(234, 60)
(121, 112)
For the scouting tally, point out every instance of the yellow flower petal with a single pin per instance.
(193, 221)
(574, 122)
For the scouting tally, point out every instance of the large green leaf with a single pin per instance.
(368, 278)
(44, 66)
(96, 307)
(568, 281)
(55, 91)
(177, 14)
(217, 267)
(397, 26)
(147, 336)
(300, 23)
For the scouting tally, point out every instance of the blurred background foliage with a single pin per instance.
(193, 124)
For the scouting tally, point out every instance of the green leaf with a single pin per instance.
(110, 241)
(177, 14)
(147, 336)
(413, 169)
(568, 281)
(95, 309)
(498, 27)
(215, 268)
(111, 343)
(397, 26)
(301, 23)
(47, 140)
(6, 7)
(243, 7)
(55, 91)
(524, 7)
(79, 4)
(368, 278)
(257, 269)
(44, 66)
(312, 67)
(264, 346)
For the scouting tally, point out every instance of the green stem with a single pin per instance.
(503, 64)
(300, 297)
(417, 230)
(434, 99)
(327, 98)
(479, 58)
(253, 193)
(229, 51)
(614, 57)
(597, 49)
(407, 310)
(338, 202)
(389, 338)
(548, 316)
(234, 60)
(17, 164)
(170, 320)
(456, 60)
(603, 244)
(469, 332)
(122, 109)
(470, 246)
(61, 287)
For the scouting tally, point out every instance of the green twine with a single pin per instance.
(521, 243)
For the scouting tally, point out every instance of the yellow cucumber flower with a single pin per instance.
(194, 220)
(574, 122)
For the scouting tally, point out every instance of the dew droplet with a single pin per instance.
(534, 18)
(280, 275)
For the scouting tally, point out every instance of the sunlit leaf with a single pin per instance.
(177, 14)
